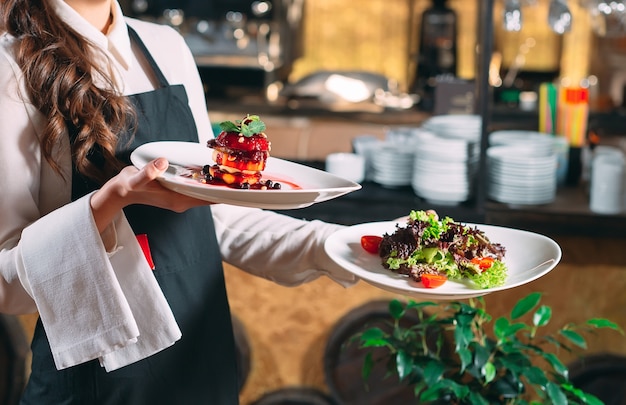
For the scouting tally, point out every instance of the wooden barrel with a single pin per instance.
(343, 360)
(242, 351)
(603, 375)
(13, 352)
(295, 396)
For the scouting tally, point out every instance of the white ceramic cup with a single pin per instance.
(607, 182)
(350, 166)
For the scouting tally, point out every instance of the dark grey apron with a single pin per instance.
(201, 367)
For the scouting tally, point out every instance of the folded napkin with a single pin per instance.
(92, 305)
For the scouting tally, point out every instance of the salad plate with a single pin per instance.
(529, 256)
(301, 186)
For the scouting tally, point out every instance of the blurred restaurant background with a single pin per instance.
(485, 85)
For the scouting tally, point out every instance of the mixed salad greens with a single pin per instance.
(428, 248)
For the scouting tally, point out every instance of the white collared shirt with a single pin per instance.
(274, 246)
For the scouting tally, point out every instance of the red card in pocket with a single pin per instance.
(145, 247)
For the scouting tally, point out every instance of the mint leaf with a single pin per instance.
(249, 126)
(255, 127)
(229, 126)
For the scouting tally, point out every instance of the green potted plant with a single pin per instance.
(507, 363)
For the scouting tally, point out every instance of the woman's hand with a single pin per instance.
(133, 186)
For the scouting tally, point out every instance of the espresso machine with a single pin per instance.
(240, 46)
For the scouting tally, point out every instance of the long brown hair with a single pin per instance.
(59, 76)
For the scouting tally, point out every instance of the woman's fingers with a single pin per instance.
(149, 172)
(156, 194)
(133, 186)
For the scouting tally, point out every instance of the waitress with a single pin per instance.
(126, 275)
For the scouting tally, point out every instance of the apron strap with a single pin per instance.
(155, 68)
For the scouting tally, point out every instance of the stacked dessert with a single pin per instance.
(240, 153)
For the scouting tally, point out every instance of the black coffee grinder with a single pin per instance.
(437, 57)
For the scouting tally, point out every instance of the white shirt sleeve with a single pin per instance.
(277, 247)
(19, 181)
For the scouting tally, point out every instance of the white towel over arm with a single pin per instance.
(92, 305)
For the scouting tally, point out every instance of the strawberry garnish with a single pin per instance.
(246, 134)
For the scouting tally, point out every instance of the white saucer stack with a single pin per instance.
(446, 158)
(444, 168)
(455, 126)
(519, 174)
(539, 140)
(392, 164)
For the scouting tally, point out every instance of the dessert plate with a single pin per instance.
(528, 257)
(302, 186)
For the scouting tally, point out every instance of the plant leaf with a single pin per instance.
(419, 387)
(463, 335)
(433, 372)
(404, 364)
(430, 394)
(419, 305)
(375, 343)
(542, 316)
(536, 376)
(558, 366)
(574, 337)
(556, 395)
(603, 323)
(481, 356)
(372, 333)
(500, 328)
(514, 363)
(476, 399)
(583, 396)
(525, 304)
(438, 390)
(466, 358)
(503, 329)
(368, 364)
(557, 343)
(396, 309)
(508, 386)
(489, 372)
(373, 337)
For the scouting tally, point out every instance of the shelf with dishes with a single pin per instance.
(436, 165)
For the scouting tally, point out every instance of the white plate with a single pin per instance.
(302, 186)
(528, 257)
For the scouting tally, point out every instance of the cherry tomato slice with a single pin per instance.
(483, 262)
(371, 243)
(433, 280)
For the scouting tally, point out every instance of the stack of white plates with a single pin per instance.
(444, 168)
(542, 144)
(392, 165)
(519, 175)
(456, 126)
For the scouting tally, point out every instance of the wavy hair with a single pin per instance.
(59, 73)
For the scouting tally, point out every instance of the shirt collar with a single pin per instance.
(116, 41)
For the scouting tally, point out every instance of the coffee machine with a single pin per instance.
(240, 46)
